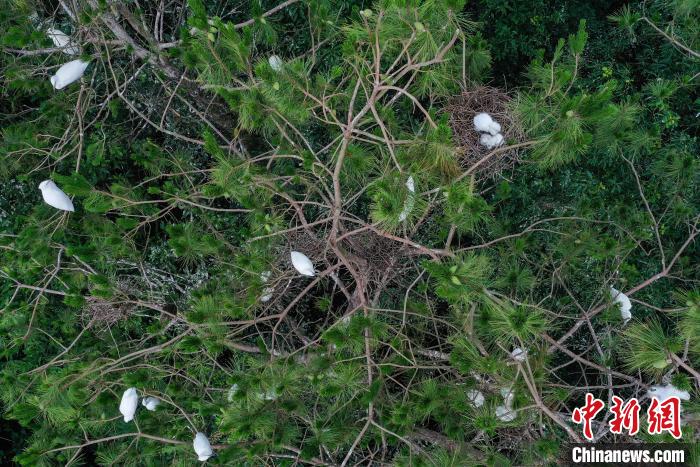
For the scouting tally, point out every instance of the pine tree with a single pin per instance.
(203, 145)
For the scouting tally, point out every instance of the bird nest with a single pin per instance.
(490, 163)
(303, 242)
(377, 252)
(103, 313)
(371, 252)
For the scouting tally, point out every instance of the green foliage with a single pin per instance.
(196, 164)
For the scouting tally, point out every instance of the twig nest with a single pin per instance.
(669, 390)
(68, 73)
(477, 117)
(624, 302)
(302, 264)
(275, 62)
(518, 354)
(55, 197)
(128, 404)
(150, 403)
(475, 397)
(62, 41)
(202, 447)
(410, 200)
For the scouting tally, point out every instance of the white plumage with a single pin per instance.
(267, 291)
(303, 264)
(664, 392)
(483, 123)
(202, 447)
(625, 303)
(475, 397)
(490, 141)
(127, 407)
(518, 354)
(55, 197)
(68, 73)
(410, 200)
(150, 403)
(268, 395)
(275, 62)
(63, 41)
(505, 412)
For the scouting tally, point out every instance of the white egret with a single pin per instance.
(68, 73)
(150, 403)
(202, 447)
(127, 407)
(625, 304)
(484, 123)
(303, 264)
(62, 41)
(55, 197)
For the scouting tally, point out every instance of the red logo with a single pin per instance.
(665, 416)
(587, 413)
(661, 416)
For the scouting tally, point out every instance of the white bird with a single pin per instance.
(127, 407)
(275, 62)
(267, 291)
(68, 73)
(475, 397)
(303, 264)
(202, 447)
(625, 304)
(518, 354)
(268, 395)
(508, 396)
(669, 390)
(150, 403)
(483, 123)
(491, 141)
(505, 414)
(63, 41)
(410, 200)
(55, 197)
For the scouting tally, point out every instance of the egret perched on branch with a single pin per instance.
(483, 123)
(625, 304)
(127, 407)
(62, 41)
(303, 264)
(202, 447)
(55, 197)
(410, 199)
(150, 403)
(68, 73)
(669, 390)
